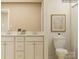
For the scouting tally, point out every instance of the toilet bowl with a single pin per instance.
(59, 43)
(61, 53)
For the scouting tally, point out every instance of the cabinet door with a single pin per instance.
(3, 50)
(9, 50)
(29, 50)
(39, 50)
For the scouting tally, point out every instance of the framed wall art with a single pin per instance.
(58, 23)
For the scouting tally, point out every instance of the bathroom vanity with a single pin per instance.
(22, 46)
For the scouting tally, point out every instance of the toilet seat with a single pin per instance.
(61, 51)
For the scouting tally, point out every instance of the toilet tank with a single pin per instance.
(59, 41)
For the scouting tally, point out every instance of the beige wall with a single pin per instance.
(21, 0)
(24, 15)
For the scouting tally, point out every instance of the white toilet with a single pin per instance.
(59, 43)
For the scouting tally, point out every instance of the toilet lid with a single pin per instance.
(63, 51)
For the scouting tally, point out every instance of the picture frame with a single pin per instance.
(58, 23)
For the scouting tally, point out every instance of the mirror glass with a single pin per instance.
(26, 16)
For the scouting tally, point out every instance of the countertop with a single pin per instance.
(26, 34)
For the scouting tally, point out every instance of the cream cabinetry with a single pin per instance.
(24, 47)
(39, 50)
(34, 47)
(19, 47)
(7, 48)
(29, 53)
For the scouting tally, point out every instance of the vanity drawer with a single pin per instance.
(7, 38)
(19, 55)
(19, 38)
(34, 39)
(19, 45)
